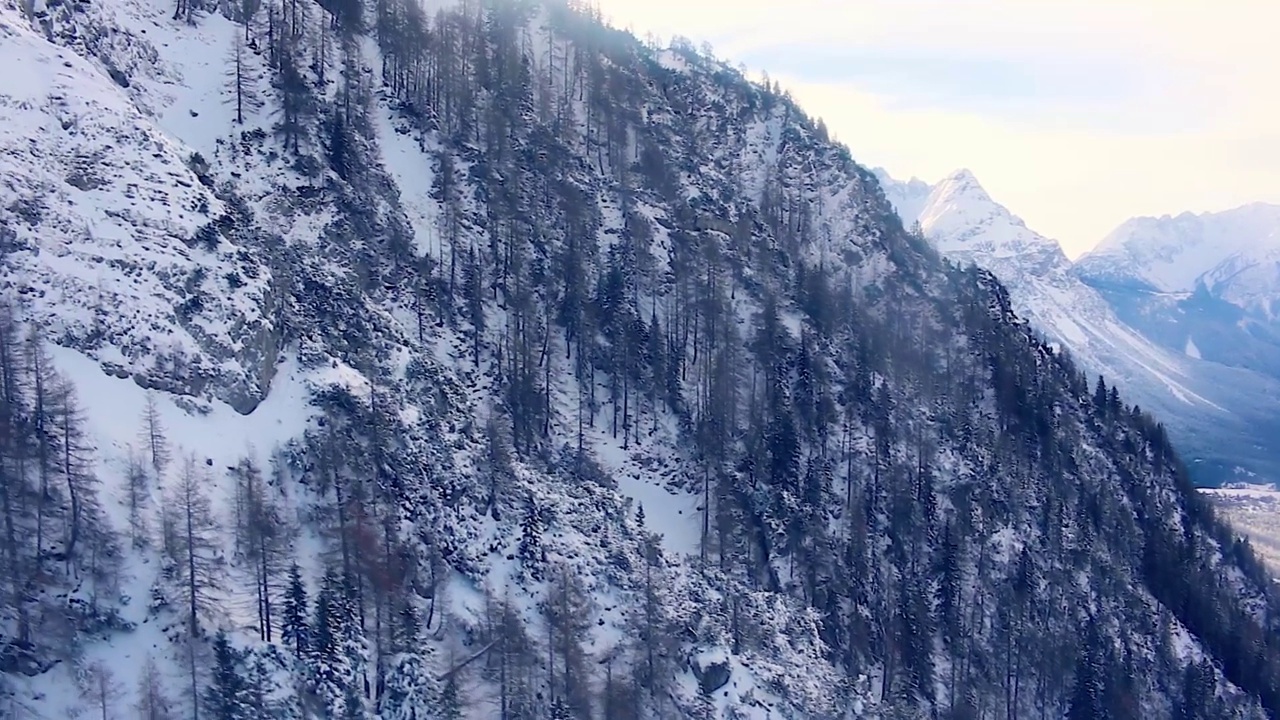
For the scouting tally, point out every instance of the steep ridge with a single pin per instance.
(522, 370)
(1220, 415)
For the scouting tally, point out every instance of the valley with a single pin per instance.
(1253, 510)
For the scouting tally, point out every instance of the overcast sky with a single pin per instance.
(1077, 114)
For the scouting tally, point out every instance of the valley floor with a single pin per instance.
(1255, 511)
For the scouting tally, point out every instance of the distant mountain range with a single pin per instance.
(1180, 311)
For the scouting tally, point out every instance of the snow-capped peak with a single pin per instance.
(963, 180)
(1225, 252)
(963, 221)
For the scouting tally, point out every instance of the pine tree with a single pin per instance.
(568, 609)
(195, 564)
(337, 658)
(137, 500)
(225, 698)
(264, 540)
(241, 79)
(450, 701)
(258, 700)
(411, 688)
(75, 460)
(532, 555)
(353, 704)
(100, 690)
(1089, 690)
(295, 630)
(153, 438)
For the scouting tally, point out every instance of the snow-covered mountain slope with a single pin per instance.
(523, 370)
(1209, 281)
(1220, 415)
(967, 225)
(1204, 285)
(1233, 254)
(114, 238)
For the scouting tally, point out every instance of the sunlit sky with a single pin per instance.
(1077, 114)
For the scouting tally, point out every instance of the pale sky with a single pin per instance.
(1076, 114)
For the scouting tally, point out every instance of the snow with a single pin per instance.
(1178, 254)
(1191, 350)
(406, 159)
(186, 90)
(1072, 334)
(967, 224)
(1246, 490)
(962, 219)
(106, 209)
(197, 106)
(115, 406)
(219, 438)
(342, 375)
(672, 60)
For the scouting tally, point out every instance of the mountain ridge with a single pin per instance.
(1206, 396)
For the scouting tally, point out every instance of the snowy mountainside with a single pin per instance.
(1208, 280)
(103, 210)
(521, 370)
(966, 224)
(1177, 254)
(1206, 286)
(1220, 416)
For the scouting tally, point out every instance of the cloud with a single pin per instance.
(1076, 113)
(1041, 90)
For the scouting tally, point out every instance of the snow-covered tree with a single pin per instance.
(227, 694)
(152, 703)
(100, 690)
(295, 628)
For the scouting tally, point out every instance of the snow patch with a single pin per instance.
(1191, 350)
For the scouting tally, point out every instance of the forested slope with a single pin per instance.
(496, 364)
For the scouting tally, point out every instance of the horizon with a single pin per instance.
(1128, 108)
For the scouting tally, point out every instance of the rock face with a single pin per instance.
(1138, 310)
(115, 245)
(713, 672)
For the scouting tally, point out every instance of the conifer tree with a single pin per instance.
(531, 553)
(411, 688)
(100, 690)
(450, 700)
(241, 79)
(295, 630)
(225, 698)
(137, 500)
(153, 438)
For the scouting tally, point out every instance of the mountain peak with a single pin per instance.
(963, 182)
(962, 175)
(1175, 253)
